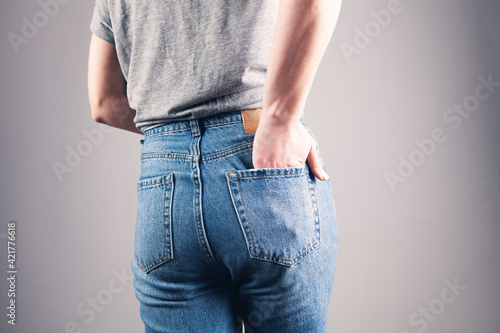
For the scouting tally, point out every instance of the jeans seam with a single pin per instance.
(173, 156)
(225, 153)
(165, 132)
(223, 124)
(198, 202)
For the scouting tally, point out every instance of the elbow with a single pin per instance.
(97, 117)
(109, 110)
(98, 111)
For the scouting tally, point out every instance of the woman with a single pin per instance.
(236, 222)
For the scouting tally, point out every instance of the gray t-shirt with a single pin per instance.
(185, 59)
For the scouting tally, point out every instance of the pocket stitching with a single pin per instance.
(234, 176)
(167, 218)
(297, 170)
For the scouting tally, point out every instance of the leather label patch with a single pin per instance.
(251, 119)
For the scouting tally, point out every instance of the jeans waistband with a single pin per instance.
(216, 119)
(195, 124)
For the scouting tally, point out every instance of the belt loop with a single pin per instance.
(195, 128)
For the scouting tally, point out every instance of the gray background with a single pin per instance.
(397, 248)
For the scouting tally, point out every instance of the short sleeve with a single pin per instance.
(101, 21)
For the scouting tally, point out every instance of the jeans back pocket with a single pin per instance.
(278, 212)
(153, 230)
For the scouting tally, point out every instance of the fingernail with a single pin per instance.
(325, 176)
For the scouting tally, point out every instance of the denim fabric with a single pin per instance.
(219, 243)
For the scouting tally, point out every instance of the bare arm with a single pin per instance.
(303, 31)
(107, 87)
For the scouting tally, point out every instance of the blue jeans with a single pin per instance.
(218, 243)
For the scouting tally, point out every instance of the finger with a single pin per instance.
(315, 164)
(255, 161)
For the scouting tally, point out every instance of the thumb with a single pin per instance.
(315, 164)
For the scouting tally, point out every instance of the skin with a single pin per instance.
(303, 30)
(302, 33)
(107, 87)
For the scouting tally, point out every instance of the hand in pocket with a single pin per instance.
(281, 144)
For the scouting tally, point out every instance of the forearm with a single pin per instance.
(107, 88)
(115, 112)
(303, 31)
